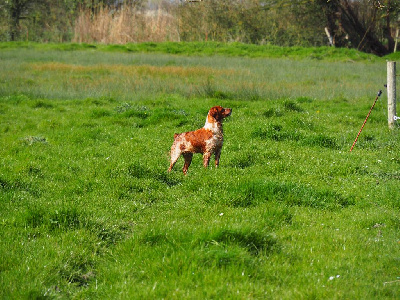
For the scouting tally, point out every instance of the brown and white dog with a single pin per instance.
(207, 140)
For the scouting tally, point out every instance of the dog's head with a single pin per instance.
(219, 113)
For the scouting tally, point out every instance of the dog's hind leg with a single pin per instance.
(188, 160)
(175, 153)
(171, 165)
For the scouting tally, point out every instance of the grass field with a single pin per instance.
(88, 210)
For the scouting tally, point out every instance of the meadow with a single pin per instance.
(88, 210)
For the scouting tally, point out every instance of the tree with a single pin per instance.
(364, 24)
(282, 22)
(16, 10)
(25, 10)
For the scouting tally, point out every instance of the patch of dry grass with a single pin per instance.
(125, 26)
(154, 71)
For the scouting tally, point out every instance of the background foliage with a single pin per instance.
(367, 25)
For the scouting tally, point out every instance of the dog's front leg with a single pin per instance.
(206, 159)
(217, 156)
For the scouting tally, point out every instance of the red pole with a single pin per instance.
(376, 99)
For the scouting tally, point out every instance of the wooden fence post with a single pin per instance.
(391, 93)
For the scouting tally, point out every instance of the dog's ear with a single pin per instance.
(216, 112)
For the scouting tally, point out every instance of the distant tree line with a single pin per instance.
(368, 25)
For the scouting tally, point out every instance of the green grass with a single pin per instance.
(208, 49)
(89, 211)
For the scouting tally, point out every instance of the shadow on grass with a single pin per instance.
(253, 242)
(10, 185)
(70, 218)
(140, 171)
(253, 193)
(279, 133)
